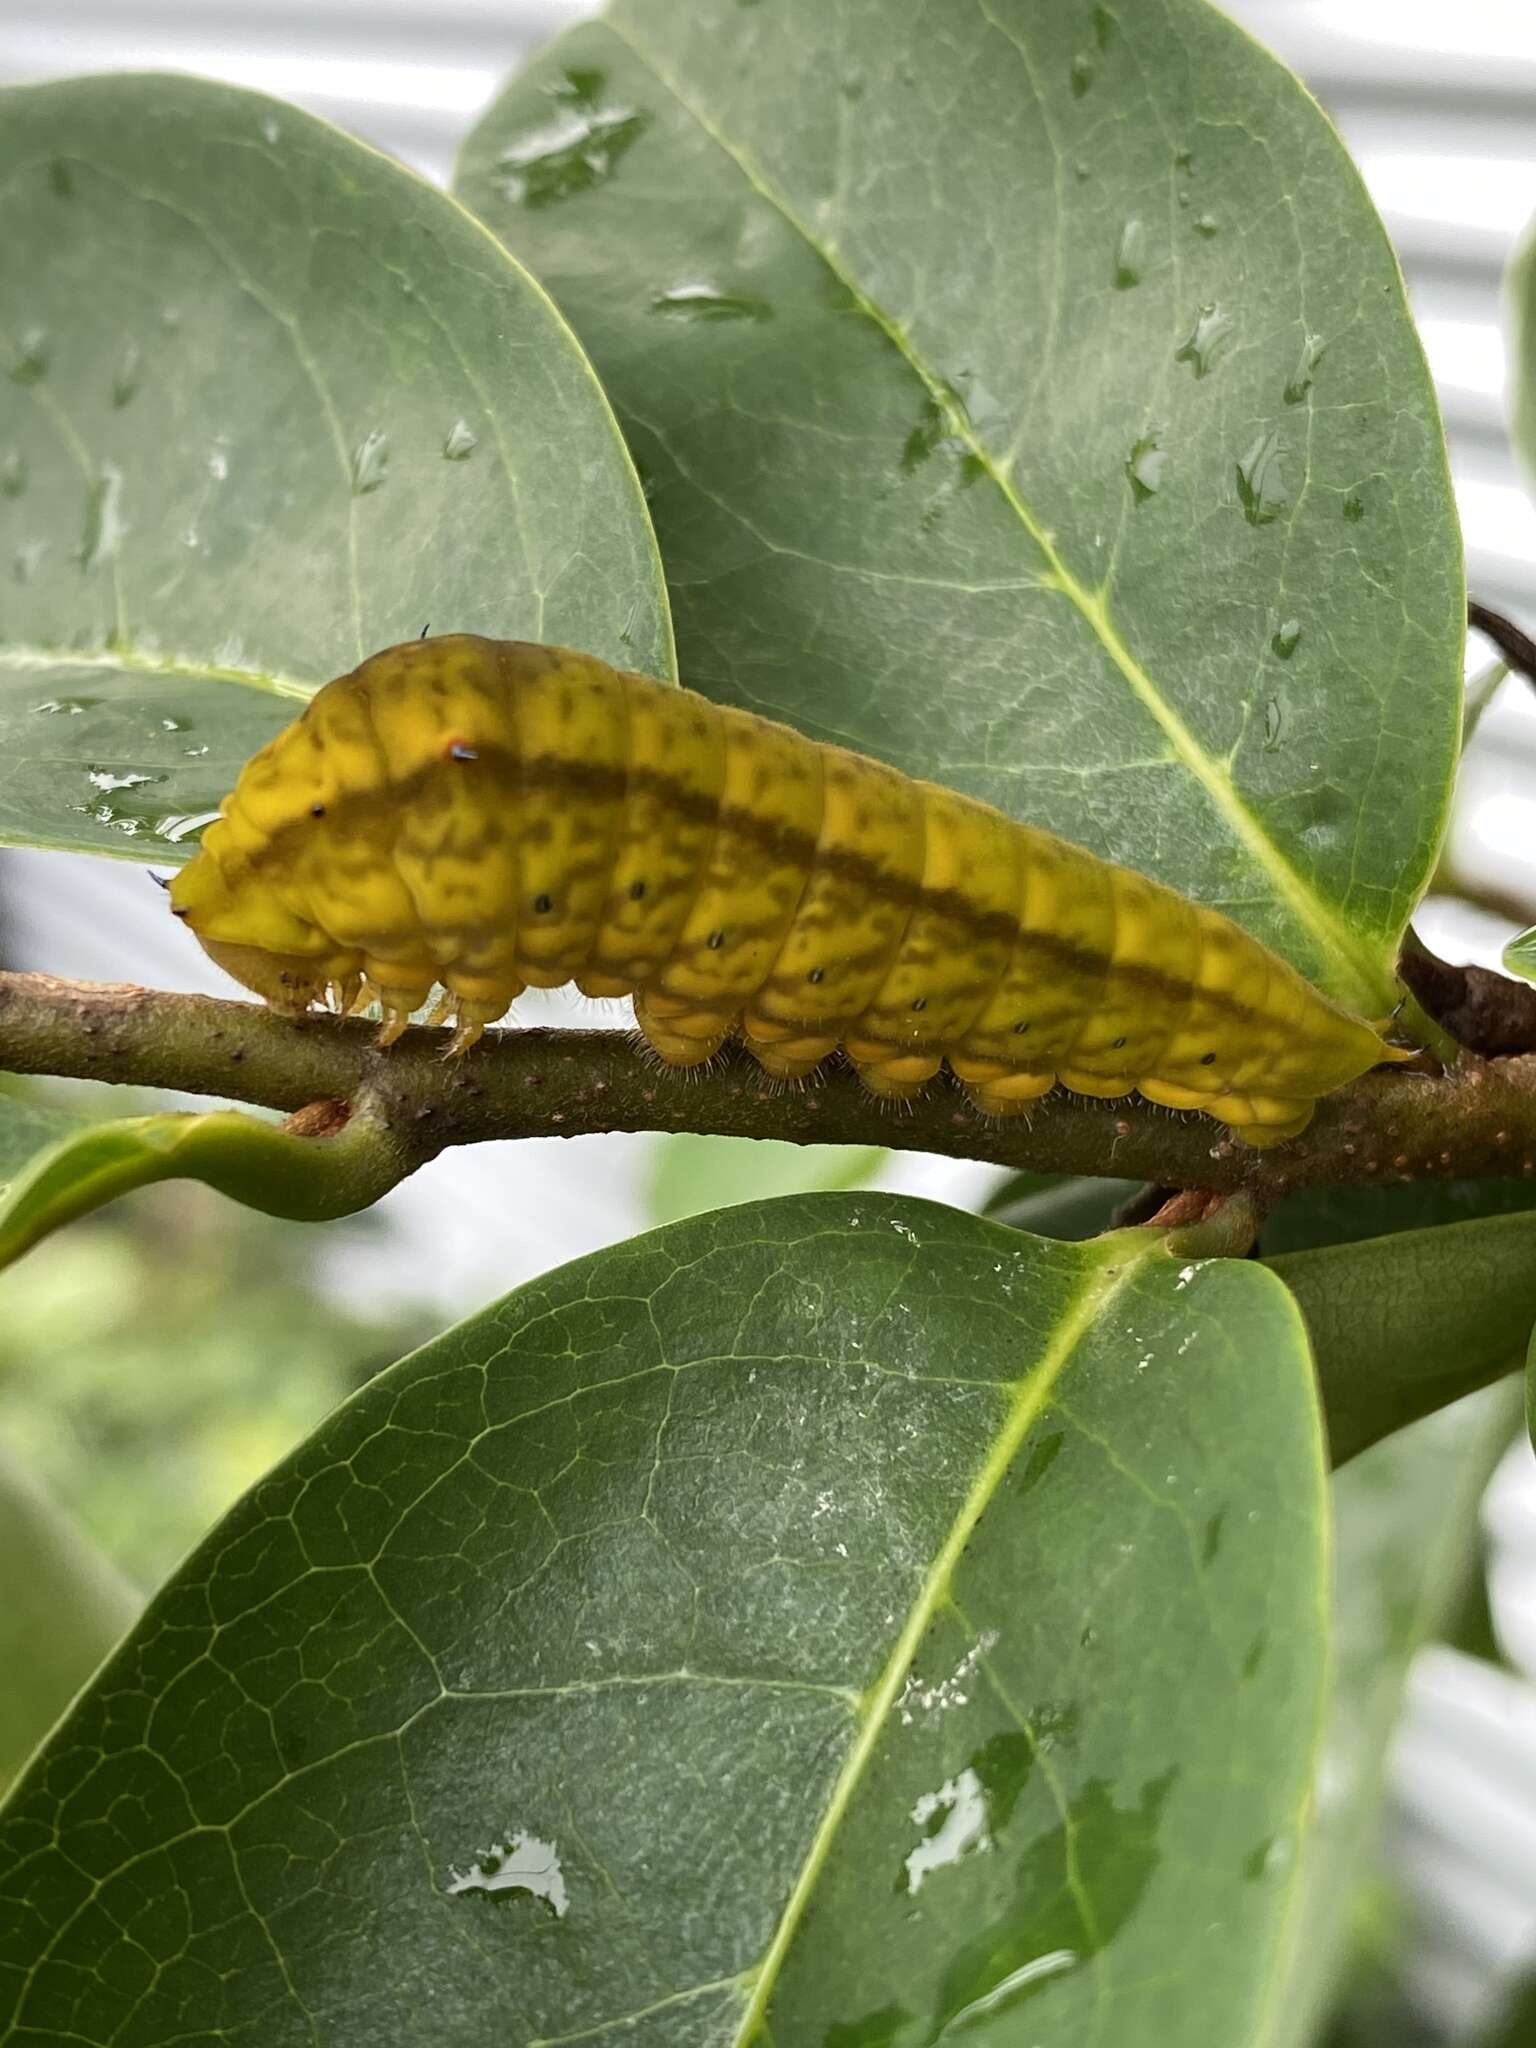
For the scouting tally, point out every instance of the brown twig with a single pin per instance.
(1477, 1120)
(1517, 648)
(1488, 1013)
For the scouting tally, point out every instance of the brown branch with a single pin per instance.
(1517, 648)
(1493, 899)
(1488, 1013)
(1477, 1120)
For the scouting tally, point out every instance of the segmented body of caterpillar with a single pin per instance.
(490, 815)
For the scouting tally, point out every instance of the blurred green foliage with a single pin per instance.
(156, 1362)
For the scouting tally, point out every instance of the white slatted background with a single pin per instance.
(1438, 104)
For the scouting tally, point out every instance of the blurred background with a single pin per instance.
(1438, 105)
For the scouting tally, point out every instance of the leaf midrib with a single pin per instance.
(24, 658)
(1336, 940)
(1095, 1293)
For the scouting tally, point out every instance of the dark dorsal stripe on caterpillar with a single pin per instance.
(491, 815)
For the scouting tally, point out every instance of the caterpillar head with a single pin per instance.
(250, 935)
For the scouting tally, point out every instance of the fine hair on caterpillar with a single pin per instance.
(484, 816)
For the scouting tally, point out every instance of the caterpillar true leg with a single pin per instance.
(394, 1025)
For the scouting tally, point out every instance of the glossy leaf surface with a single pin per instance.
(1031, 401)
(270, 403)
(737, 1636)
(310, 1178)
(1403, 1325)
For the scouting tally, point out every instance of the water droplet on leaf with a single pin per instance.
(1261, 481)
(1144, 466)
(954, 1825)
(1299, 383)
(1207, 341)
(13, 474)
(461, 442)
(696, 300)
(523, 1863)
(576, 149)
(1082, 73)
(125, 378)
(29, 361)
(1274, 718)
(1207, 224)
(931, 431)
(1287, 637)
(370, 462)
(1131, 254)
(104, 526)
(179, 826)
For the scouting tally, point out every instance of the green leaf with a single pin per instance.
(1519, 956)
(1064, 1205)
(272, 403)
(739, 1635)
(1403, 1325)
(1520, 303)
(1407, 1537)
(988, 388)
(1514, 2023)
(691, 1173)
(28, 1128)
(1468, 1625)
(62, 1608)
(1320, 1216)
(1480, 693)
(310, 1178)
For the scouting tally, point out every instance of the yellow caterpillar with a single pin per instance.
(490, 815)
